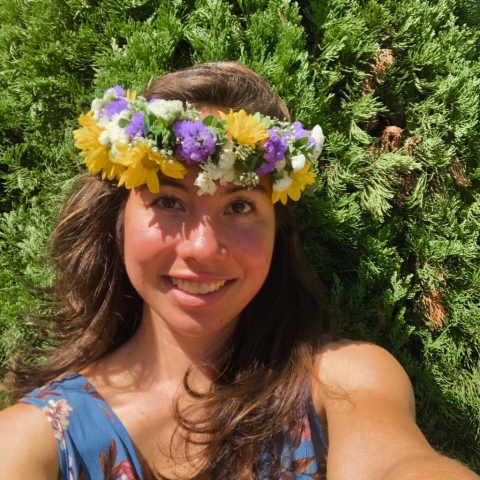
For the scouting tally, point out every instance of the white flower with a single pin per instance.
(109, 95)
(283, 183)
(116, 133)
(227, 175)
(246, 179)
(100, 118)
(212, 170)
(210, 173)
(317, 134)
(169, 110)
(113, 133)
(227, 156)
(279, 166)
(97, 104)
(205, 184)
(104, 138)
(298, 162)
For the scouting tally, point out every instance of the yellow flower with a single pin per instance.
(131, 95)
(172, 168)
(244, 128)
(305, 176)
(97, 155)
(143, 166)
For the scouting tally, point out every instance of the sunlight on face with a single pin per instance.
(197, 261)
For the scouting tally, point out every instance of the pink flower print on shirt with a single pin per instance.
(113, 470)
(127, 469)
(57, 413)
(71, 474)
(306, 434)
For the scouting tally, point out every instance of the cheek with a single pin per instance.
(140, 241)
(255, 250)
(145, 246)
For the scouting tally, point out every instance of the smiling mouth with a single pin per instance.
(197, 287)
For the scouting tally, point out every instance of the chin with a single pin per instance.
(197, 325)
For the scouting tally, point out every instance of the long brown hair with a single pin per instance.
(264, 376)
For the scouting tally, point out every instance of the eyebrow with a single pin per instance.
(236, 188)
(172, 183)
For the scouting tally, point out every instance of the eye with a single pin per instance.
(169, 203)
(240, 207)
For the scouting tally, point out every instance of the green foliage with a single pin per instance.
(393, 227)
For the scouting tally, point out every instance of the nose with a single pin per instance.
(202, 241)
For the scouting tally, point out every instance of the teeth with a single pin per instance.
(195, 287)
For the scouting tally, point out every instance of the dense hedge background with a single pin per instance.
(393, 229)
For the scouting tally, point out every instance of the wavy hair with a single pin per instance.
(264, 376)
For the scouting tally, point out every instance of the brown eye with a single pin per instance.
(239, 208)
(168, 202)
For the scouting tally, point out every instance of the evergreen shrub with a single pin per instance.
(393, 228)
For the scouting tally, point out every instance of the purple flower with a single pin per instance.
(300, 132)
(135, 127)
(196, 141)
(275, 148)
(119, 91)
(117, 106)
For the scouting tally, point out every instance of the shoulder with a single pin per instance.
(347, 367)
(27, 445)
(368, 403)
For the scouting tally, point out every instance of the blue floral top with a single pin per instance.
(94, 445)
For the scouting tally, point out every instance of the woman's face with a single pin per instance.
(197, 261)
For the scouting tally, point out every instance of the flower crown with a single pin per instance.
(129, 139)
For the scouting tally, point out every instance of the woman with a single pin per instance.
(189, 341)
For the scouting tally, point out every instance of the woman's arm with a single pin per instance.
(28, 449)
(369, 407)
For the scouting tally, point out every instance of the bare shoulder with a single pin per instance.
(368, 405)
(27, 445)
(347, 367)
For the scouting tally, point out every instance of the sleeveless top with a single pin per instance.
(93, 444)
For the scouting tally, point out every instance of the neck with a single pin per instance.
(157, 354)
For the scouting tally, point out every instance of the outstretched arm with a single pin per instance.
(369, 406)
(27, 445)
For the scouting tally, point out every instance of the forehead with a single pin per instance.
(206, 110)
(187, 184)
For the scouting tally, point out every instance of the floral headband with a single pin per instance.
(129, 139)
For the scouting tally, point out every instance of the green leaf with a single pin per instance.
(210, 121)
(252, 162)
(161, 123)
(146, 125)
(276, 175)
(123, 122)
(301, 142)
(310, 189)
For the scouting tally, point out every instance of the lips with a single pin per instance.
(197, 288)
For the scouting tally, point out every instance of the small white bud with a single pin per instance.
(317, 134)
(279, 166)
(283, 183)
(104, 138)
(298, 162)
(169, 110)
(97, 104)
